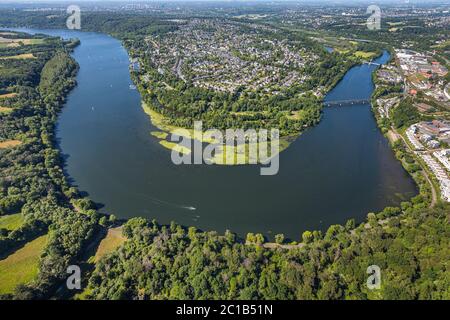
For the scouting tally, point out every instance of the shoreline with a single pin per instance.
(166, 130)
(68, 176)
(393, 137)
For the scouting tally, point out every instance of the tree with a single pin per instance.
(307, 237)
(279, 238)
(103, 221)
(112, 218)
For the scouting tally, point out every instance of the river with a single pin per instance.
(343, 168)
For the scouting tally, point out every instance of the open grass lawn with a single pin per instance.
(11, 222)
(111, 242)
(22, 266)
(297, 115)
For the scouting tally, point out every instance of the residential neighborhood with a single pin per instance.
(219, 55)
(426, 139)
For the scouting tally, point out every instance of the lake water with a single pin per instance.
(343, 168)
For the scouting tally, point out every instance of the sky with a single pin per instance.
(348, 2)
(312, 1)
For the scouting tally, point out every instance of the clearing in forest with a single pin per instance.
(111, 242)
(19, 56)
(11, 221)
(9, 144)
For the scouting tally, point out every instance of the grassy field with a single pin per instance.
(11, 222)
(22, 266)
(395, 23)
(112, 241)
(19, 56)
(8, 95)
(11, 43)
(5, 110)
(9, 144)
(297, 115)
(364, 54)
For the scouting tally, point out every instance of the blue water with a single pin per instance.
(341, 169)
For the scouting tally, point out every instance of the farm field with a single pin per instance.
(22, 266)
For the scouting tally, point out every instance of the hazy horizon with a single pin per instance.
(230, 1)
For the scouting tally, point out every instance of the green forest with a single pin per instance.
(32, 182)
(171, 262)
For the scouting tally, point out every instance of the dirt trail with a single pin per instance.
(273, 245)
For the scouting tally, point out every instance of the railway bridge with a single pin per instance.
(340, 103)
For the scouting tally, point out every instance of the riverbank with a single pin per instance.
(137, 178)
(404, 153)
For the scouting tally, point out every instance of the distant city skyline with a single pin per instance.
(230, 1)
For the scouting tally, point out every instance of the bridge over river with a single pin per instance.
(340, 103)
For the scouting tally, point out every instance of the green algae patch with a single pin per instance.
(161, 122)
(159, 134)
(240, 155)
(175, 147)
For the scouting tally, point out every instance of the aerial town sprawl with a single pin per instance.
(223, 56)
(421, 74)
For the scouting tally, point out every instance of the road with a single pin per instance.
(178, 69)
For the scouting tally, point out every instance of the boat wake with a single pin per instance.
(162, 202)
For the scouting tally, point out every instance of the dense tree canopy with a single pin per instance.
(171, 262)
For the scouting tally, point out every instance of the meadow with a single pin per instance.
(11, 222)
(22, 266)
